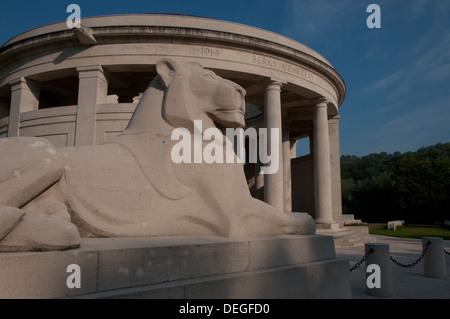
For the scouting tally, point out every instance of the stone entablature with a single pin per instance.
(144, 39)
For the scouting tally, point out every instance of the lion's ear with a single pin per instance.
(166, 69)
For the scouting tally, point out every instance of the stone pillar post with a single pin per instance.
(378, 261)
(322, 167)
(335, 157)
(434, 265)
(93, 90)
(274, 183)
(24, 98)
(287, 166)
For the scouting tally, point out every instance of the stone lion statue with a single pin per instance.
(129, 186)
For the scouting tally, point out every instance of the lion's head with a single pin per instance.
(195, 93)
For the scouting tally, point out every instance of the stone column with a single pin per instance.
(322, 167)
(335, 158)
(93, 90)
(274, 183)
(24, 98)
(287, 166)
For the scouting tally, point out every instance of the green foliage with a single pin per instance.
(423, 188)
(413, 186)
(411, 231)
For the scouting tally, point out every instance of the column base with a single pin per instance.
(327, 225)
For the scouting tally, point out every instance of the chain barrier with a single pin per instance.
(414, 263)
(357, 265)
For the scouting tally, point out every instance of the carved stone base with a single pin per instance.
(181, 267)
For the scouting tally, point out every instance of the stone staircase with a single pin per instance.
(349, 236)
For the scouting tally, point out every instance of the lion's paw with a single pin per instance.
(302, 223)
(46, 233)
(9, 218)
(47, 206)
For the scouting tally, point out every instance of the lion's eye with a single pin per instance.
(209, 76)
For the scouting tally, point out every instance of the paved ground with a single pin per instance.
(408, 283)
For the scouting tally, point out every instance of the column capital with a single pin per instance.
(90, 68)
(274, 82)
(91, 71)
(18, 83)
(321, 102)
(334, 119)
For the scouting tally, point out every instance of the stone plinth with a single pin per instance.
(182, 267)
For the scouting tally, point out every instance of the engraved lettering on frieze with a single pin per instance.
(210, 52)
(299, 71)
(264, 61)
(206, 52)
(286, 67)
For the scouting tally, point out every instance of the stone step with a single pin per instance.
(354, 242)
(181, 267)
(346, 237)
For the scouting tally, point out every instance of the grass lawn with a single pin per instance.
(411, 231)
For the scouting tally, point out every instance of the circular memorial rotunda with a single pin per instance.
(79, 87)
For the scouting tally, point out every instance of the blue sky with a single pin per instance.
(397, 77)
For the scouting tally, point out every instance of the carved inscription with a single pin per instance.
(264, 61)
(299, 71)
(286, 67)
(210, 52)
(206, 52)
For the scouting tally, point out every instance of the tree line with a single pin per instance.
(411, 186)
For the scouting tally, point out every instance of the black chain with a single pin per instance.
(414, 263)
(357, 265)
